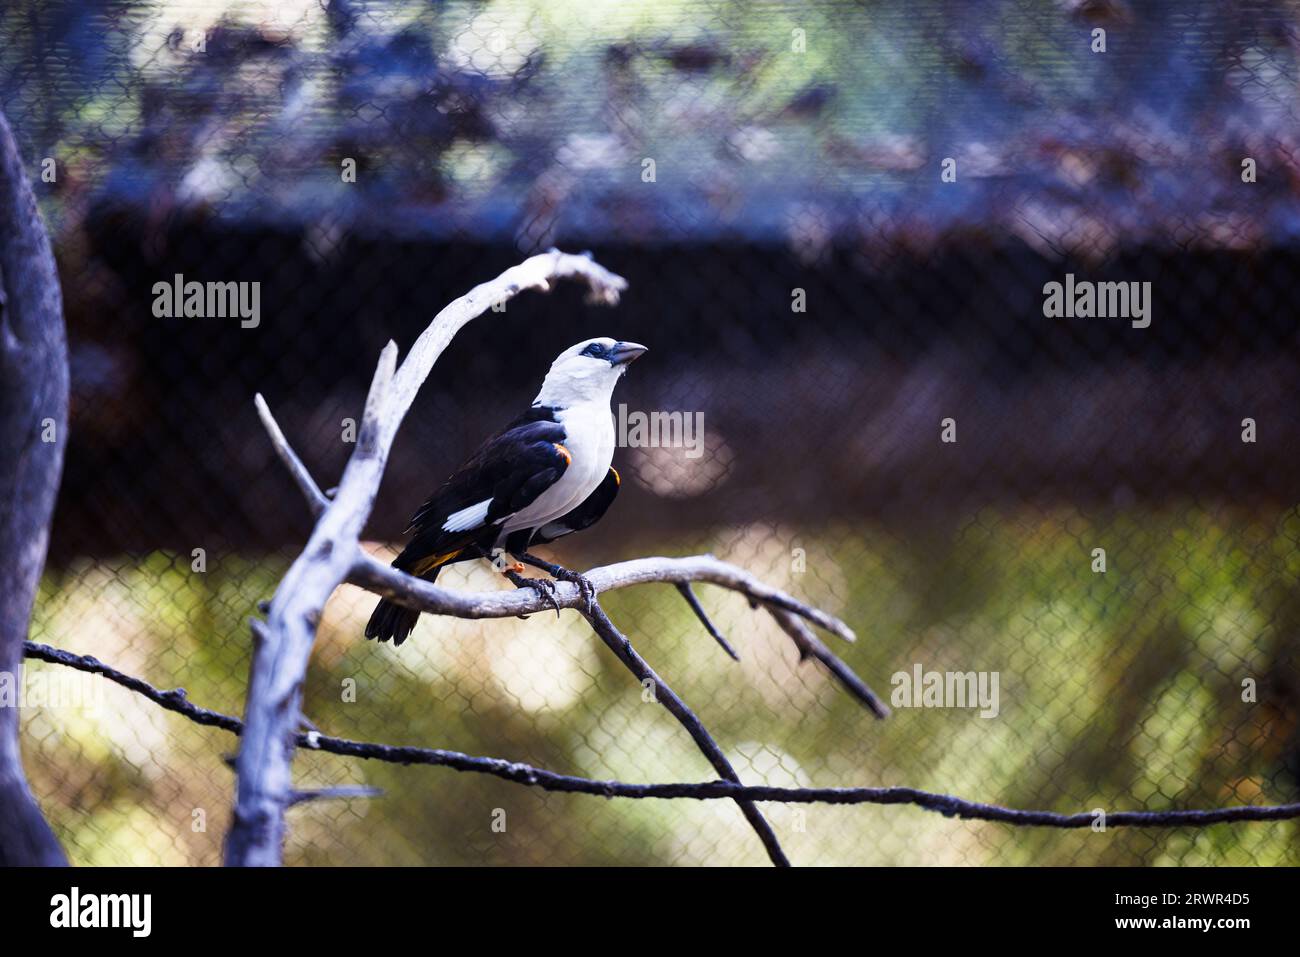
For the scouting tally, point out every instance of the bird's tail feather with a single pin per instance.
(393, 621)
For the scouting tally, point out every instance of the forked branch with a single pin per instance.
(282, 645)
(333, 555)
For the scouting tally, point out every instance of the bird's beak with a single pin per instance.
(625, 352)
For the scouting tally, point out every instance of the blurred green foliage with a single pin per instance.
(1118, 690)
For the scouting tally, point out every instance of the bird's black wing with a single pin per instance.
(585, 515)
(508, 472)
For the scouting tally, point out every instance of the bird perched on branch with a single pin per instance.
(545, 475)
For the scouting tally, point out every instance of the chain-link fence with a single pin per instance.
(840, 223)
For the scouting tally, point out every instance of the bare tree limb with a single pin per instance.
(684, 588)
(810, 646)
(397, 585)
(370, 573)
(622, 648)
(346, 793)
(530, 776)
(175, 699)
(316, 499)
(790, 613)
(707, 569)
(33, 430)
(282, 647)
(389, 582)
(333, 555)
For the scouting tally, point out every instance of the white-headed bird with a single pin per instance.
(544, 475)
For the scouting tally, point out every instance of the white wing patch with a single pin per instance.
(467, 518)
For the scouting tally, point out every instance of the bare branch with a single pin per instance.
(622, 648)
(810, 646)
(706, 568)
(316, 499)
(370, 573)
(284, 642)
(174, 700)
(685, 589)
(333, 794)
(283, 646)
(531, 776)
(790, 613)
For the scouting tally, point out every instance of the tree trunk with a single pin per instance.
(33, 426)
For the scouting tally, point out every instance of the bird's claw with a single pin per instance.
(585, 586)
(543, 586)
(546, 588)
(559, 573)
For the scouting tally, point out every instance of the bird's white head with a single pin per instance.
(587, 372)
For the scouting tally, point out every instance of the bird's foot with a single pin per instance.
(560, 573)
(542, 586)
(546, 588)
(584, 584)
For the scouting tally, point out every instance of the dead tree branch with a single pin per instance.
(283, 644)
(373, 575)
(333, 555)
(688, 594)
(33, 430)
(530, 776)
(623, 650)
(788, 612)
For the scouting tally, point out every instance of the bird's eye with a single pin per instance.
(595, 350)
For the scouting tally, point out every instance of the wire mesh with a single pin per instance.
(839, 223)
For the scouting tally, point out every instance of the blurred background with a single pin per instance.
(797, 154)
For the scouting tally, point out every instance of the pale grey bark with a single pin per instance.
(33, 428)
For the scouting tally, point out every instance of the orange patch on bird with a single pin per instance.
(433, 561)
(568, 459)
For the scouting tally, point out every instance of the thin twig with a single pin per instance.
(617, 642)
(174, 700)
(344, 793)
(810, 646)
(316, 499)
(530, 776)
(685, 589)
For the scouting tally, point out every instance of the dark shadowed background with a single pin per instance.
(797, 153)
